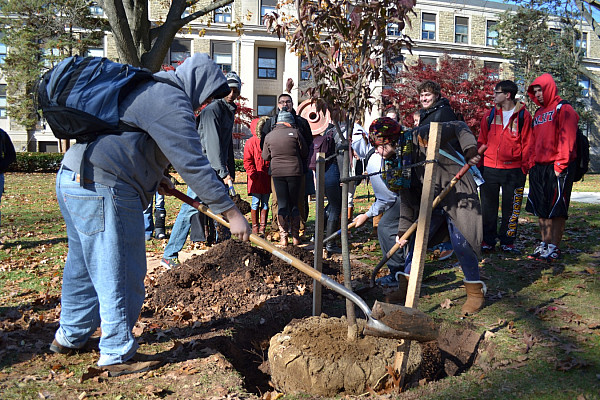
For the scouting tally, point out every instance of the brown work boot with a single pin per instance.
(138, 363)
(475, 297)
(283, 230)
(398, 295)
(376, 220)
(264, 214)
(254, 218)
(295, 228)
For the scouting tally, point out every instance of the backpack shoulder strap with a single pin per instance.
(491, 117)
(369, 154)
(521, 119)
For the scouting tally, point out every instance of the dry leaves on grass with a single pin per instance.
(446, 304)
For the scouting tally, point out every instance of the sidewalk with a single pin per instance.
(582, 197)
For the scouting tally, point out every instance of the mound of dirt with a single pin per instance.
(230, 279)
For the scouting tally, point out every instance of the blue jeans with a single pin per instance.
(463, 250)
(260, 201)
(333, 191)
(181, 228)
(103, 278)
(159, 205)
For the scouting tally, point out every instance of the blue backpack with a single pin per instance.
(79, 98)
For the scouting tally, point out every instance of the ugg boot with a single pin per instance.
(264, 215)
(254, 218)
(376, 220)
(475, 297)
(159, 224)
(282, 222)
(398, 295)
(332, 227)
(295, 230)
(350, 213)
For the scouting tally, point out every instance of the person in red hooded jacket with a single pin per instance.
(505, 129)
(550, 158)
(259, 180)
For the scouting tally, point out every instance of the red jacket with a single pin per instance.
(259, 181)
(506, 145)
(553, 137)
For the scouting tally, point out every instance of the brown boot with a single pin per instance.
(264, 215)
(283, 230)
(475, 297)
(295, 228)
(398, 296)
(350, 213)
(376, 220)
(254, 218)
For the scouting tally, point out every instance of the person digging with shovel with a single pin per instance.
(459, 213)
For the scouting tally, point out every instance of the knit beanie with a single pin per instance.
(383, 131)
(286, 116)
(233, 80)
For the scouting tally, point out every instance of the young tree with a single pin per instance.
(139, 43)
(533, 48)
(37, 33)
(468, 87)
(346, 45)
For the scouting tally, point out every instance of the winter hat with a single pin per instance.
(383, 131)
(285, 116)
(233, 80)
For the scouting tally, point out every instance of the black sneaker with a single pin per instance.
(486, 248)
(539, 250)
(552, 254)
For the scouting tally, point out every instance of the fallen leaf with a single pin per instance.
(446, 304)
(91, 373)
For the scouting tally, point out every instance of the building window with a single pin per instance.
(304, 69)
(179, 51)
(265, 105)
(221, 54)
(95, 52)
(267, 63)
(96, 10)
(585, 84)
(461, 30)
(2, 101)
(430, 62)
(494, 69)
(267, 6)
(393, 30)
(428, 27)
(223, 14)
(2, 52)
(581, 43)
(492, 34)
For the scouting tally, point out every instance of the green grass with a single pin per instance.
(558, 304)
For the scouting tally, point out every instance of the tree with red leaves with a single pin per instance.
(243, 117)
(468, 87)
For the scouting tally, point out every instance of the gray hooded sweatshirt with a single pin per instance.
(165, 114)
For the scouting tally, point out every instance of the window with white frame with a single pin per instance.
(461, 30)
(267, 63)
(179, 51)
(95, 52)
(265, 105)
(222, 55)
(96, 10)
(430, 62)
(491, 36)
(393, 30)
(304, 69)
(223, 14)
(585, 84)
(494, 69)
(428, 26)
(2, 52)
(267, 6)
(2, 101)
(581, 43)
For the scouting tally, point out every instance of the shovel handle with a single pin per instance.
(413, 227)
(286, 257)
(339, 231)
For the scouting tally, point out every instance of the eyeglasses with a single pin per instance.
(285, 102)
(497, 92)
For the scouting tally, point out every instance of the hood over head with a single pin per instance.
(549, 90)
(200, 78)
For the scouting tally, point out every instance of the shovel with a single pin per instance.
(393, 314)
(413, 227)
(339, 231)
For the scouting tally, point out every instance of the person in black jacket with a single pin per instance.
(7, 157)
(285, 100)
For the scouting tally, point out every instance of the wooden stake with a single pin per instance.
(319, 222)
